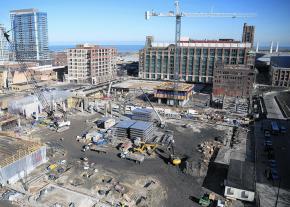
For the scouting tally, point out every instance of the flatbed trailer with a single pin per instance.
(98, 149)
(138, 158)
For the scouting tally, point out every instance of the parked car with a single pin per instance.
(283, 129)
(267, 134)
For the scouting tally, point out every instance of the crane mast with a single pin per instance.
(178, 14)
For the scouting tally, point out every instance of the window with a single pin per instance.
(230, 191)
(244, 194)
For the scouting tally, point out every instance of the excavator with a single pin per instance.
(174, 159)
(57, 123)
(145, 147)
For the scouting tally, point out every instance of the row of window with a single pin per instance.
(200, 51)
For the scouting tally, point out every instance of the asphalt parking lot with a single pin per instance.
(180, 187)
(268, 188)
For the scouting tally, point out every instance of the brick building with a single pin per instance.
(197, 58)
(233, 80)
(91, 64)
(248, 34)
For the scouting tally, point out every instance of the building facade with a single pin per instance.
(91, 64)
(280, 71)
(4, 54)
(167, 93)
(233, 80)
(30, 35)
(197, 59)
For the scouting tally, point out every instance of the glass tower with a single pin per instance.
(30, 35)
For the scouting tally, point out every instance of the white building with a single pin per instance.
(240, 182)
(4, 54)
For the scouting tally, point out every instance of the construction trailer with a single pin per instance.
(106, 122)
(19, 158)
(167, 93)
(240, 182)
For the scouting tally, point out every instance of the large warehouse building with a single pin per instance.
(18, 158)
(197, 57)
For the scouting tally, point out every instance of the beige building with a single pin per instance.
(280, 71)
(91, 64)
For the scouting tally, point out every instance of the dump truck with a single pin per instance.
(138, 158)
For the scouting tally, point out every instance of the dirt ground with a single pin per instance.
(179, 186)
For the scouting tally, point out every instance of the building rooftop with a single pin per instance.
(13, 149)
(211, 41)
(136, 84)
(283, 100)
(240, 175)
(280, 61)
(23, 11)
(205, 43)
(141, 125)
(170, 86)
(89, 46)
(125, 124)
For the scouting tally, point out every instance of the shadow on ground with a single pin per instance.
(215, 177)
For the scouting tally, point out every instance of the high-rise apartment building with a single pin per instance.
(248, 34)
(91, 64)
(30, 35)
(4, 53)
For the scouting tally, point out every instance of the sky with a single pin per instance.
(123, 21)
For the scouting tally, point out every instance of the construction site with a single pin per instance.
(110, 147)
(140, 141)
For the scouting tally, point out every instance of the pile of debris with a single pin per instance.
(208, 150)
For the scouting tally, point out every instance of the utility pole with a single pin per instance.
(178, 14)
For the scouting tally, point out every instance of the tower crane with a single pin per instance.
(178, 14)
(36, 89)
